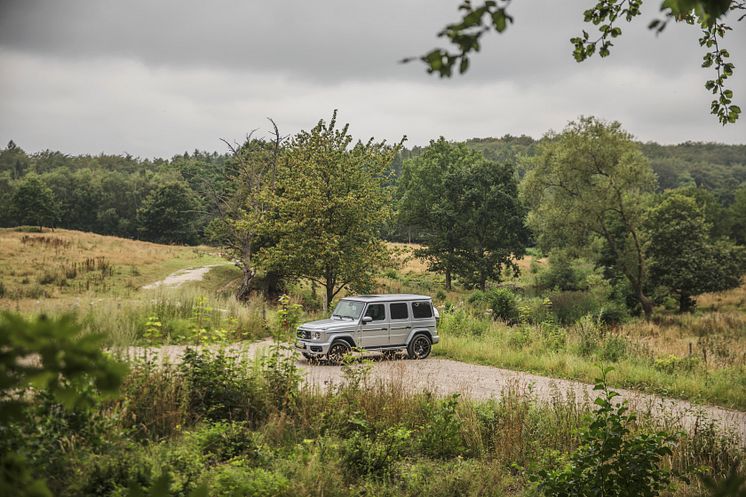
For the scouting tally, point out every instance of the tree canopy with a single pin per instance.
(329, 208)
(477, 19)
(466, 212)
(591, 183)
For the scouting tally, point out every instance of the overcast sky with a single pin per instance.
(156, 78)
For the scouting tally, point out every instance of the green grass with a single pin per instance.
(574, 353)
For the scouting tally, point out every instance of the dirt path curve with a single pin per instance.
(445, 376)
(180, 277)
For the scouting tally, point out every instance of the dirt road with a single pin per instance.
(180, 277)
(445, 376)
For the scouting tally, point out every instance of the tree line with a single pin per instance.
(318, 205)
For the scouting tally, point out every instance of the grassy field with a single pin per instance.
(64, 263)
(697, 356)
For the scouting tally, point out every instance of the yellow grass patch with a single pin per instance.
(64, 262)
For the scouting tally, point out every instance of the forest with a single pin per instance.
(126, 196)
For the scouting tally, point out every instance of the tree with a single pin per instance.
(682, 257)
(478, 19)
(736, 216)
(243, 209)
(428, 202)
(592, 182)
(329, 206)
(467, 211)
(167, 214)
(34, 203)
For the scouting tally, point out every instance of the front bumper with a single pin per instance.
(311, 347)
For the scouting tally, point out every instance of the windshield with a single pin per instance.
(348, 309)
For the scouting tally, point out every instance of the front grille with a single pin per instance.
(304, 334)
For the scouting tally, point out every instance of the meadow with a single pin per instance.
(228, 426)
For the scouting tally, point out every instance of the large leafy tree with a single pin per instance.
(466, 211)
(479, 18)
(329, 207)
(682, 257)
(168, 214)
(34, 203)
(591, 182)
(428, 202)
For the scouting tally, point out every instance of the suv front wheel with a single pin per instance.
(419, 347)
(337, 351)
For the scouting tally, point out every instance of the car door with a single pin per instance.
(399, 323)
(376, 332)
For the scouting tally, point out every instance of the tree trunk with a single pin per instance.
(329, 295)
(685, 303)
(448, 279)
(244, 290)
(646, 303)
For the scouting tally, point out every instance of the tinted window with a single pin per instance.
(376, 311)
(399, 311)
(422, 310)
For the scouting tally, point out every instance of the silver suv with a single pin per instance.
(386, 323)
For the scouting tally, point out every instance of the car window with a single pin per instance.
(399, 310)
(376, 311)
(421, 310)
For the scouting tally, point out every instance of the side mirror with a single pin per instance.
(367, 319)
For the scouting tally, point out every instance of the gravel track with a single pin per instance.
(180, 277)
(445, 376)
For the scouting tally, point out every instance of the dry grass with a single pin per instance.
(734, 299)
(62, 263)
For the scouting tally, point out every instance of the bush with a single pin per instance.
(441, 437)
(461, 323)
(237, 480)
(613, 313)
(500, 301)
(221, 387)
(221, 442)
(570, 306)
(614, 348)
(554, 336)
(366, 455)
(535, 311)
(610, 460)
(673, 364)
(589, 333)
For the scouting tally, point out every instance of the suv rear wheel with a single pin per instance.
(419, 347)
(337, 351)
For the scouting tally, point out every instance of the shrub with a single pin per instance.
(504, 305)
(590, 335)
(672, 364)
(221, 442)
(554, 336)
(461, 323)
(441, 437)
(610, 460)
(366, 455)
(570, 306)
(519, 337)
(221, 387)
(613, 313)
(535, 310)
(237, 480)
(614, 348)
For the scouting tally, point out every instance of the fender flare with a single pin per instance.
(418, 331)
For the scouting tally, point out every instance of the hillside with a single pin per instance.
(59, 263)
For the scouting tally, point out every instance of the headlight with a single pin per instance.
(316, 335)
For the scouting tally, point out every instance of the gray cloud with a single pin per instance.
(155, 78)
